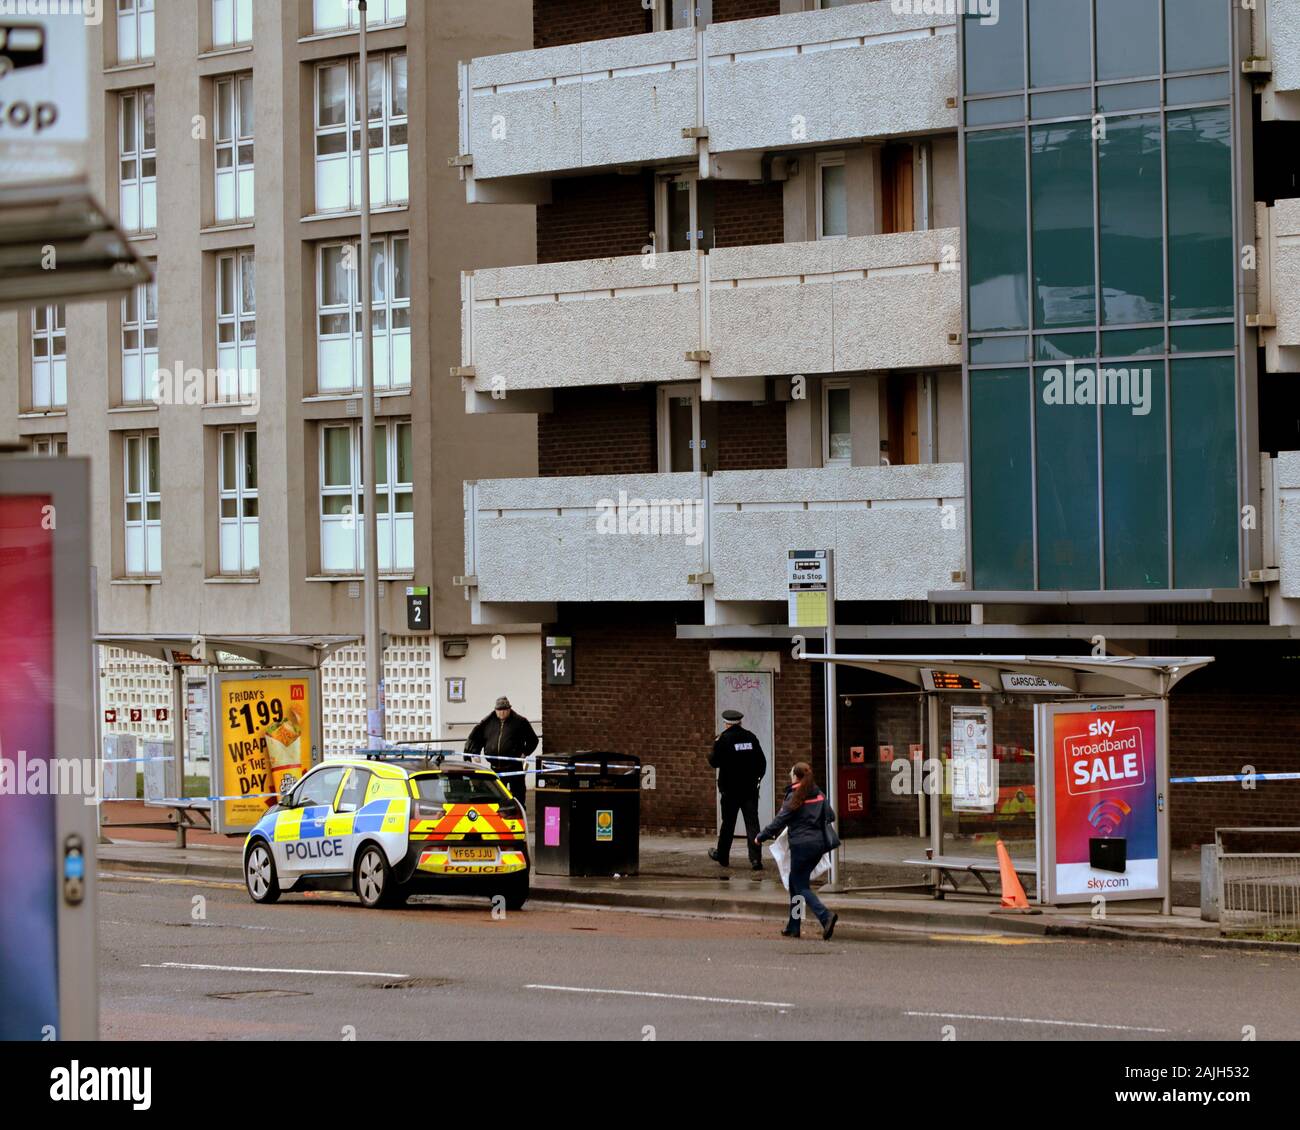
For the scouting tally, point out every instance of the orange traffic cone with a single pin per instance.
(1013, 894)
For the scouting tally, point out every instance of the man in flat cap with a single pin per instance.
(505, 738)
(738, 757)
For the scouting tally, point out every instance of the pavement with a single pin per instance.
(677, 878)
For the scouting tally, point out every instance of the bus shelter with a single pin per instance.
(1101, 765)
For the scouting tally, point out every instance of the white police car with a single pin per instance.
(391, 827)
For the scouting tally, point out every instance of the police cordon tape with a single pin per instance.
(131, 760)
(1231, 776)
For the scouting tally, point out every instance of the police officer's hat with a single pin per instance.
(732, 716)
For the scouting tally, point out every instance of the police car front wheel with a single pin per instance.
(259, 874)
(373, 880)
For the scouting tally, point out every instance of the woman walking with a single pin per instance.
(808, 817)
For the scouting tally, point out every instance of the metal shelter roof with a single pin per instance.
(1085, 675)
(266, 651)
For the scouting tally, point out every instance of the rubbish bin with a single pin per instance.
(588, 814)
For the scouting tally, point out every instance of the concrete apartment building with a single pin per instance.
(226, 490)
(837, 275)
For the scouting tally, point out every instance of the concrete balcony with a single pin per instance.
(1278, 244)
(1277, 39)
(720, 539)
(847, 305)
(859, 71)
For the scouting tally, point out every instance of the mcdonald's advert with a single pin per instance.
(266, 729)
(1106, 782)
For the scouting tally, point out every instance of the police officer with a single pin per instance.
(738, 757)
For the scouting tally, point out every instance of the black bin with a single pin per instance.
(587, 814)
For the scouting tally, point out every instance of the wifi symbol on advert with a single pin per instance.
(1107, 816)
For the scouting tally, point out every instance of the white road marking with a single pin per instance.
(661, 996)
(1030, 1020)
(260, 969)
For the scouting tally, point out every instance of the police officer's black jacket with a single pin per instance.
(738, 757)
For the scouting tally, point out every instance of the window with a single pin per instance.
(339, 314)
(52, 445)
(139, 342)
(331, 15)
(49, 357)
(342, 537)
(338, 136)
(687, 430)
(832, 198)
(837, 431)
(134, 30)
(238, 502)
(232, 22)
(236, 326)
(138, 161)
(234, 145)
(684, 213)
(319, 788)
(354, 791)
(143, 505)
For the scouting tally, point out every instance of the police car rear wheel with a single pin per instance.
(373, 880)
(259, 875)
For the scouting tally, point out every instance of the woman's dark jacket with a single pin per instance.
(804, 823)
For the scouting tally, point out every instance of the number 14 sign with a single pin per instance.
(559, 661)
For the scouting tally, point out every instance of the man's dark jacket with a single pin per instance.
(738, 757)
(513, 737)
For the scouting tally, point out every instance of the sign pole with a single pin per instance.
(832, 728)
(370, 586)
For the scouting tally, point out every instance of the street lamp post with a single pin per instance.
(370, 550)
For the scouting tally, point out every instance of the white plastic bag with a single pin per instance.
(781, 855)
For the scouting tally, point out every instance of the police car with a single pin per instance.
(391, 827)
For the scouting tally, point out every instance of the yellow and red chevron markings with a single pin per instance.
(456, 821)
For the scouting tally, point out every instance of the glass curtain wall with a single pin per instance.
(1100, 275)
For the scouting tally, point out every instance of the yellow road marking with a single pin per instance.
(991, 939)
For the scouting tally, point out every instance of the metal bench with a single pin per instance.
(956, 869)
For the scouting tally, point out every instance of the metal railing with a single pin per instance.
(1259, 880)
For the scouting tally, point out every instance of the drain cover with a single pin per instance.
(253, 994)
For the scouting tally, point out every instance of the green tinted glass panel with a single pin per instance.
(997, 252)
(1132, 249)
(1200, 339)
(1001, 518)
(992, 350)
(1133, 480)
(1057, 28)
(1060, 104)
(1196, 34)
(993, 111)
(995, 49)
(1132, 343)
(1200, 214)
(1062, 347)
(1128, 38)
(1198, 88)
(1068, 535)
(1128, 96)
(1061, 175)
(1203, 404)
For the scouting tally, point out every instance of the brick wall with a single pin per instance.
(598, 431)
(556, 22)
(637, 689)
(1218, 729)
(746, 214)
(751, 437)
(595, 217)
(744, 9)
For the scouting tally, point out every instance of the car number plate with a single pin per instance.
(473, 855)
